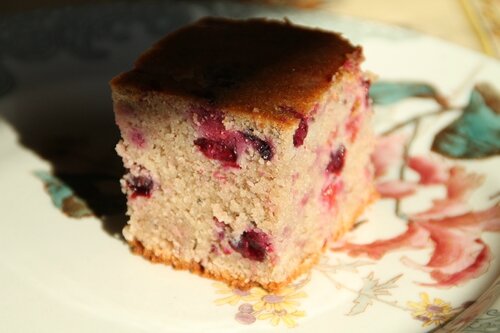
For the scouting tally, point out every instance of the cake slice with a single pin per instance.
(247, 147)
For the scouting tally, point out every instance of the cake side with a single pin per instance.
(260, 212)
(331, 172)
(201, 205)
(261, 68)
(243, 283)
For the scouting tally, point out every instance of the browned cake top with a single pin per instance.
(270, 69)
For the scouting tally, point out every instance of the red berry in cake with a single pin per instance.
(220, 144)
(217, 143)
(337, 160)
(254, 244)
(330, 191)
(209, 122)
(214, 249)
(141, 186)
(300, 133)
(217, 150)
(261, 146)
(352, 127)
(137, 138)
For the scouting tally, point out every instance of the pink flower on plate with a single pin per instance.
(449, 227)
(429, 170)
(388, 151)
(396, 189)
(459, 185)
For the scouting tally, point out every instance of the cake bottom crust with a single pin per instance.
(195, 267)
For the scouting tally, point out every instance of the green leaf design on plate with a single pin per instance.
(372, 289)
(388, 92)
(63, 196)
(476, 133)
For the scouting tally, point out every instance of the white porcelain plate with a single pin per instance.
(424, 257)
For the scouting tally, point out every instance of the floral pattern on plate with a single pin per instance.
(448, 226)
(257, 303)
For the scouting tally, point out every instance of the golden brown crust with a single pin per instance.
(195, 267)
(263, 68)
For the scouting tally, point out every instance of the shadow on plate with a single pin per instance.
(72, 127)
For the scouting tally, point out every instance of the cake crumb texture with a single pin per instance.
(243, 283)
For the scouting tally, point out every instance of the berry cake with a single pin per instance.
(247, 145)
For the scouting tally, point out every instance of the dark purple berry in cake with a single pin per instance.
(300, 133)
(261, 146)
(253, 244)
(337, 160)
(141, 186)
(217, 150)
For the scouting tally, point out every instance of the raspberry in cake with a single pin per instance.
(247, 147)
